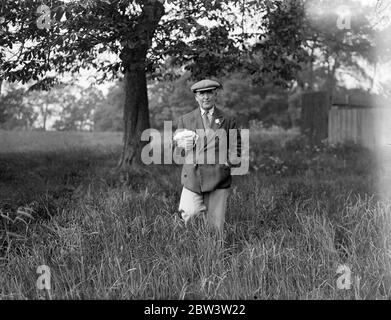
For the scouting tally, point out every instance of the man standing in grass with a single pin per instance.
(203, 132)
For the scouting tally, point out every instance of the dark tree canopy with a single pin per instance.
(81, 30)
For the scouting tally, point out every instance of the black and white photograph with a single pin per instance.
(213, 152)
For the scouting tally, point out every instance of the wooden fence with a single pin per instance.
(352, 125)
(324, 119)
(369, 127)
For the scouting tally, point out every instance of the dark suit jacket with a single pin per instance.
(201, 176)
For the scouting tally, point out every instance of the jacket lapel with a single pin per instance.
(197, 120)
(197, 123)
(217, 119)
(215, 125)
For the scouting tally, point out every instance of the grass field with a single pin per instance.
(300, 214)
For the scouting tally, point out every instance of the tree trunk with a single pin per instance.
(311, 83)
(136, 110)
(136, 117)
(314, 116)
(331, 80)
(45, 116)
(373, 77)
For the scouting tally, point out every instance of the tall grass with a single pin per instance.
(286, 231)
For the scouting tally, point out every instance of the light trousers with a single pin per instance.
(213, 204)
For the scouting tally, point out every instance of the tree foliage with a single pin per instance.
(80, 31)
(15, 113)
(77, 108)
(336, 41)
(108, 114)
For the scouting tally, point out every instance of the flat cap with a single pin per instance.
(205, 84)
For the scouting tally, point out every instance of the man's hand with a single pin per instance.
(186, 139)
(186, 143)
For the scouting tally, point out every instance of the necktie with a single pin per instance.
(206, 120)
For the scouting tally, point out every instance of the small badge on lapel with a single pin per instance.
(217, 121)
